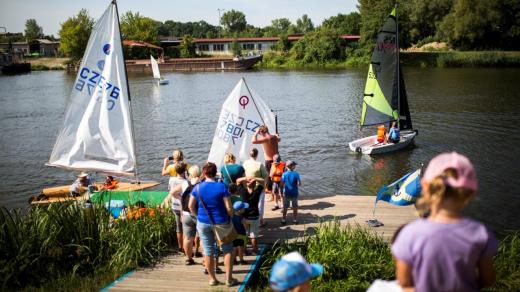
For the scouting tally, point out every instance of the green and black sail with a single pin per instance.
(385, 97)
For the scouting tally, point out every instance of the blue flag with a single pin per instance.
(402, 192)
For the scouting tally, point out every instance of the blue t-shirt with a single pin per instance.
(394, 133)
(213, 194)
(231, 170)
(239, 227)
(290, 179)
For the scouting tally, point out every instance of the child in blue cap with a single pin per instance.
(292, 273)
(240, 243)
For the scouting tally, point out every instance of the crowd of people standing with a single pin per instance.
(221, 210)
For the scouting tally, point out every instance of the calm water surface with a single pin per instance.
(472, 111)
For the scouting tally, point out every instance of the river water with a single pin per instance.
(472, 111)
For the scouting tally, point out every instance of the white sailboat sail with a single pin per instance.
(97, 133)
(155, 68)
(242, 113)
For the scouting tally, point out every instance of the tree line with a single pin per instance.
(464, 25)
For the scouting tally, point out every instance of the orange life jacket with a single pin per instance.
(111, 185)
(277, 171)
(381, 133)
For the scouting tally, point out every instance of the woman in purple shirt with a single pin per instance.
(445, 251)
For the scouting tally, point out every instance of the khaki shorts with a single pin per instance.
(252, 228)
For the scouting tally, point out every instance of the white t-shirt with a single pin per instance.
(172, 183)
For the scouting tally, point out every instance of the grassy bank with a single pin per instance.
(415, 59)
(43, 64)
(354, 257)
(66, 247)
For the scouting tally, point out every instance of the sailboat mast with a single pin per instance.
(398, 67)
(254, 102)
(128, 92)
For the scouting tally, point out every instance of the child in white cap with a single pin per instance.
(446, 251)
(293, 273)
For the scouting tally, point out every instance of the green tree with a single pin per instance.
(32, 30)
(283, 44)
(187, 47)
(344, 23)
(471, 24)
(234, 21)
(509, 25)
(235, 47)
(139, 28)
(74, 34)
(425, 17)
(319, 46)
(304, 24)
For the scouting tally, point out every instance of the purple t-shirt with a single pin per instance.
(444, 256)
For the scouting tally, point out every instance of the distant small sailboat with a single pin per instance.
(385, 99)
(157, 72)
(97, 135)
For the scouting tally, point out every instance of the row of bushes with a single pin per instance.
(67, 244)
(277, 60)
(353, 257)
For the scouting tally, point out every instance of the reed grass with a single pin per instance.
(64, 242)
(352, 257)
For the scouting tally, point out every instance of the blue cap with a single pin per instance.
(238, 205)
(292, 270)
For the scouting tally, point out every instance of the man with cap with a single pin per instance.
(80, 185)
(292, 273)
(291, 181)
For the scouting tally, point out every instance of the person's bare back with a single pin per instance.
(268, 141)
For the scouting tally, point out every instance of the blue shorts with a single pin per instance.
(290, 201)
(208, 242)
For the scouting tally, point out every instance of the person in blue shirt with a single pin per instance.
(291, 181)
(240, 243)
(394, 135)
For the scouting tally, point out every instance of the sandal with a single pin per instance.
(218, 271)
(189, 262)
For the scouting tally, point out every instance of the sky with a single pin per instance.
(49, 14)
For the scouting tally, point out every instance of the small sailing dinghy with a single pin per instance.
(157, 72)
(97, 134)
(242, 113)
(385, 99)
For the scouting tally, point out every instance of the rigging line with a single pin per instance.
(136, 174)
(254, 102)
(398, 67)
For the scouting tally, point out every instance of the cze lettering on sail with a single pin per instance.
(94, 80)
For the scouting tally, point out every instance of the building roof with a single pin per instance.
(131, 43)
(264, 39)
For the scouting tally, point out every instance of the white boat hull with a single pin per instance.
(163, 81)
(369, 145)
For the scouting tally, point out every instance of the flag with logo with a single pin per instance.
(242, 113)
(402, 192)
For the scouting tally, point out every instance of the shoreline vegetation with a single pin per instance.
(68, 247)
(353, 257)
(434, 59)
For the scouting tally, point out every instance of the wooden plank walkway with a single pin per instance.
(172, 274)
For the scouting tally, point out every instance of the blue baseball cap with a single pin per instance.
(238, 205)
(292, 270)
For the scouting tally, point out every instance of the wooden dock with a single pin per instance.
(172, 274)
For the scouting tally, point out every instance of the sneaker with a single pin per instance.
(198, 254)
(242, 262)
(218, 271)
(205, 271)
(214, 282)
(275, 208)
(231, 282)
(283, 222)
